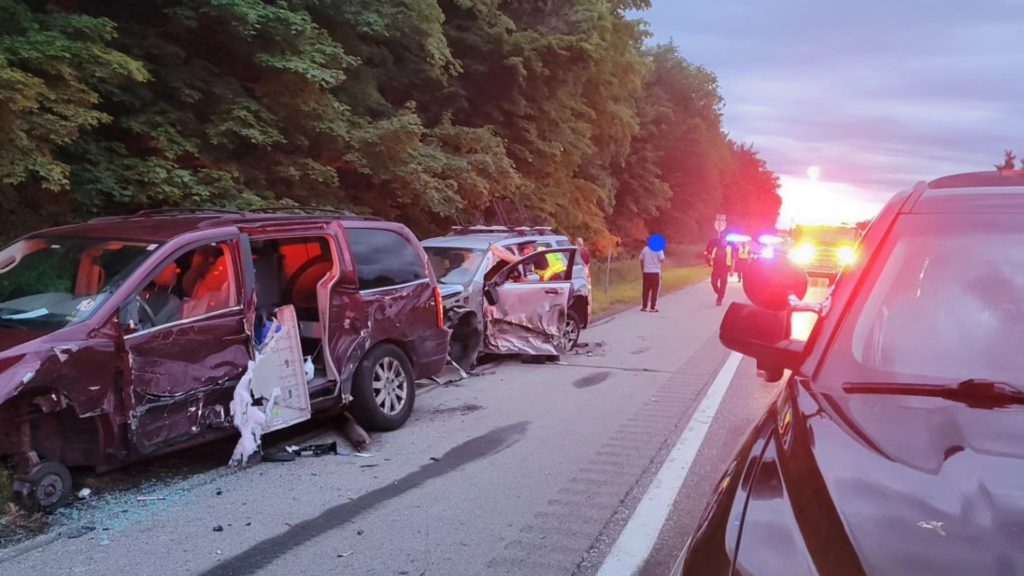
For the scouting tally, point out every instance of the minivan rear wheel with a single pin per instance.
(383, 389)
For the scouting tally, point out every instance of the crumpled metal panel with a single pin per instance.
(177, 371)
(406, 314)
(525, 322)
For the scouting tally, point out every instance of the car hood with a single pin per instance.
(898, 484)
(12, 339)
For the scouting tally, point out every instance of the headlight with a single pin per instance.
(803, 253)
(846, 255)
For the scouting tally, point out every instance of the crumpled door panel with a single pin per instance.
(527, 319)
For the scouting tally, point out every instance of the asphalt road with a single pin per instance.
(527, 469)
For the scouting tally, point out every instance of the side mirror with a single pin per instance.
(772, 283)
(763, 335)
(491, 294)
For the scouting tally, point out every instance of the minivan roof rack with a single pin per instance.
(187, 212)
(168, 212)
(279, 208)
(509, 232)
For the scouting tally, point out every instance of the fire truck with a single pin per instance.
(823, 251)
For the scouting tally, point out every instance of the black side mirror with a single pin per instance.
(491, 294)
(763, 335)
(770, 282)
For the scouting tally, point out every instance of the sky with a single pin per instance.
(879, 94)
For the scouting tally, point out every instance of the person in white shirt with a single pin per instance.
(650, 264)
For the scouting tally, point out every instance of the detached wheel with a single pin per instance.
(49, 487)
(383, 390)
(573, 327)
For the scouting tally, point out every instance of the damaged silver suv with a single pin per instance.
(533, 314)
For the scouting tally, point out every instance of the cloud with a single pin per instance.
(879, 93)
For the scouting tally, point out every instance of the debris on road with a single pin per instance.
(84, 494)
(359, 532)
(218, 528)
(278, 456)
(150, 498)
(345, 554)
(315, 450)
(79, 531)
(354, 432)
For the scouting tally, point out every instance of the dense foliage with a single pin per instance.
(432, 112)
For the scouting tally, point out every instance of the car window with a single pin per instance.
(454, 265)
(946, 304)
(384, 259)
(197, 282)
(541, 268)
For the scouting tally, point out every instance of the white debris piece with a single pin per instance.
(308, 368)
(247, 418)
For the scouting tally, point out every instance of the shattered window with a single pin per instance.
(384, 259)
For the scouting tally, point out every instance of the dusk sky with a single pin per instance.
(878, 93)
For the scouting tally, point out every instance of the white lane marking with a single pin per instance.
(630, 551)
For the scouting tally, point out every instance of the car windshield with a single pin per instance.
(455, 265)
(946, 305)
(49, 283)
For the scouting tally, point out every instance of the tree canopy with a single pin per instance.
(431, 112)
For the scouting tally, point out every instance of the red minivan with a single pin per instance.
(125, 337)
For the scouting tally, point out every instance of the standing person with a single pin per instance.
(721, 266)
(651, 258)
(742, 259)
(708, 250)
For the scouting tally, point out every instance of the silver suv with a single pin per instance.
(499, 308)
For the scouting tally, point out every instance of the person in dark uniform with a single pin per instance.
(721, 267)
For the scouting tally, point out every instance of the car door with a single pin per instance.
(525, 314)
(186, 344)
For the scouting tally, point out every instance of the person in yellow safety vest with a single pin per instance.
(544, 270)
(721, 265)
(742, 259)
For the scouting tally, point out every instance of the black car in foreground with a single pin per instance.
(896, 444)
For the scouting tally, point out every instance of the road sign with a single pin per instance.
(720, 222)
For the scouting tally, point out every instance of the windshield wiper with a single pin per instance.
(973, 392)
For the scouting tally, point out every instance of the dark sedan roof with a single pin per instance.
(973, 192)
(160, 226)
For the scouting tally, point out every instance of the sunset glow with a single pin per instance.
(807, 201)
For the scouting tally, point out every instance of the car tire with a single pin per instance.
(383, 377)
(571, 334)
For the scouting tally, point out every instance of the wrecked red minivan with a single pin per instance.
(125, 337)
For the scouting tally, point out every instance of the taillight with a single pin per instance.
(440, 307)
